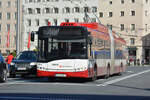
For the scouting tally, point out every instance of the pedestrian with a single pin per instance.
(142, 62)
(9, 60)
(138, 62)
(134, 62)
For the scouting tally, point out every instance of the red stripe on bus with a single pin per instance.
(82, 74)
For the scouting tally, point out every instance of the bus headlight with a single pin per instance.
(12, 63)
(32, 64)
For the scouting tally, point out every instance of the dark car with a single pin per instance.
(3, 69)
(24, 64)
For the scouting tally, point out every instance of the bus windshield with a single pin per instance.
(53, 49)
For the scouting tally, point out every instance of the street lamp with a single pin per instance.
(18, 27)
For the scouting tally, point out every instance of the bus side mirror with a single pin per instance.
(32, 36)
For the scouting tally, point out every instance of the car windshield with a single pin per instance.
(26, 56)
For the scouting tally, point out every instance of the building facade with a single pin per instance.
(39, 12)
(8, 24)
(130, 19)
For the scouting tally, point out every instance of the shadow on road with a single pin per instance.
(26, 96)
(130, 87)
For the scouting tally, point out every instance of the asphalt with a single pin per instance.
(131, 85)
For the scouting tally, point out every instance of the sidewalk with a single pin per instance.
(138, 65)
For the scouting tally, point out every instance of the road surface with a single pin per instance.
(134, 84)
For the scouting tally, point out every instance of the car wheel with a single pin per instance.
(12, 75)
(4, 76)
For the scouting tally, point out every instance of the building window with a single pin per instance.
(132, 13)
(15, 15)
(146, 1)
(56, 10)
(76, 20)
(67, 9)
(15, 27)
(66, 20)
(0, 16)
(0, 39)
(8, 51)
(93, 19)
(47, 10)
(8, 4)
(37, 22)
(55, 22)
(109, 26)
(110, 2)
(77, 9)
(0, 4)
(0, 28)
(122, 27)
(8, 27)
(122, 1)
(15, 3)
(133, 1)
(110, 14)
(132, 27)
(29, 22)
(8, 16)
(86, 9)
(132, 41)
(146, 13)
(46, 21)
(30, 11)
(146, 27)
(94, 9)
(14, 39)
(100, 14)
(38, 0)
(30, 1)
(122, 13)
(38, 10)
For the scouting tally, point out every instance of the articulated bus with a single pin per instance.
(82, 50)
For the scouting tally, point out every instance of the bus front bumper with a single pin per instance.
(81, 74)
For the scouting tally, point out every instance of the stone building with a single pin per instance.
(130, 19)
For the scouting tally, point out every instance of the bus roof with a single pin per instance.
(96, 27)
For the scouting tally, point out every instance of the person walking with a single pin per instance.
(9, 60)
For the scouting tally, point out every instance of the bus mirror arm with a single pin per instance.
(33, 35)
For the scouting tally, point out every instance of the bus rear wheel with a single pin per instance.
(120, 69)
(108, 73)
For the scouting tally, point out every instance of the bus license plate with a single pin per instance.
(22, 68)
(60, 75)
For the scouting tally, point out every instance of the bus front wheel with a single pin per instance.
(95, 74)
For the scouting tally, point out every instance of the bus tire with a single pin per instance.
(120, 69)
(95, 74)
(108, 72)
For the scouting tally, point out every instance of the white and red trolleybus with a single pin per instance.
(83, 50)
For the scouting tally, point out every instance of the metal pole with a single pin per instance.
(18, 26)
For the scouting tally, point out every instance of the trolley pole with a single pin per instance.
(18, 27)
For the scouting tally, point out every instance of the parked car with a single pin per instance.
(24, 64)
(3, 69)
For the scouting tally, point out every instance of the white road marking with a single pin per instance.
(130, 71)
(122, 78)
